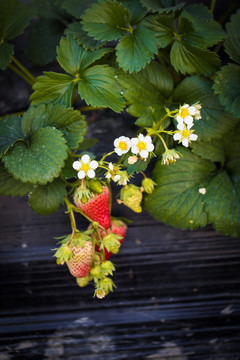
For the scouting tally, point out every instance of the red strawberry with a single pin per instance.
(117, 227)
(96, 207)
(79, 265)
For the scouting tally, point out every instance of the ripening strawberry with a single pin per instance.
(117, 227)
(82, 258)
(96, 207)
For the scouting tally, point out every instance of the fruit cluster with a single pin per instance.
(87, 253)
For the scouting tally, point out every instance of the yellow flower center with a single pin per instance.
(184, 113)
(141, 145)
(122, 145)
(185, 133)
(85, 167)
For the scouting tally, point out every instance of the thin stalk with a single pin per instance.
(19, 73)
(164, 144)
(212, 7)
(23, 69)
(71, 215)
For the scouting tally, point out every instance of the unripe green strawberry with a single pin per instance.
(95, 186)
(131, 196)
(117, 227)
(80, 263)
(83, 281)
(97, 207)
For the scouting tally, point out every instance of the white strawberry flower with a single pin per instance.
(142, 145)
(85, 167)
(122, 145)
(112, 173)
(185, 114)
(184, 135)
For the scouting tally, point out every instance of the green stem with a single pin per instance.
(213, 3)
(164, 144)
(71, 215)
(19, 73)
(23, 69)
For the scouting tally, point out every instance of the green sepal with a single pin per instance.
(46, 199)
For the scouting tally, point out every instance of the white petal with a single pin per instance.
(116, 178)
(85, 159)
(144, 154)
(93, 164)
(110, 166)
(116, 142)
(185, 142)
(118, 151)
(148, 139)
(150, 147)
(188, 119)
(91, 173)
(180, 126)
(134, 141)
(192, 110)
(107, 176)
(76, 165)
(185, 106)
(193, 137)
(190, 125)
(81, 174)
(141, 137)
(179, 119)
(177, 136)
(135, 149)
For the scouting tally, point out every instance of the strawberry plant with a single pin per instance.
(172, 66)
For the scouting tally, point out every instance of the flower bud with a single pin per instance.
(148, 185)
(170, 156)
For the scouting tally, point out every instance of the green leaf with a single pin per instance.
(53, 87)
(98, 87)
(212, 150)
(46, 199)
(232, 150)
(73, 58)
(163, 27)
(10, 132)
(232, 42)
(106, 20)
(193, 28)
(135, 50)
(215, 121)
(14, 18)
(76, 7)
(38, 160)
(137, 167)
(176, 200)
(223, 204)
(75, 30)
(160, 77)
(87, 143)
(68, 172)
(142, 97)
(44, 36)
(11, 187)
(189, 59)
(227, 87)
(47, 8)
(69, 121)
(6, 51)
(162, 5)
(136, 11)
